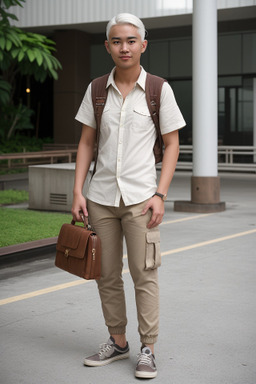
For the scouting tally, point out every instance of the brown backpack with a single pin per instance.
(153, 93)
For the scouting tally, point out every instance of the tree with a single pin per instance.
(23, 53)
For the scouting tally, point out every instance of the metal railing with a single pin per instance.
(230, 158)
(24, 159)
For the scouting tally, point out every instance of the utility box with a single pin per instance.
(51, 186)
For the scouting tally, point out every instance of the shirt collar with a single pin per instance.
(141, 79)
(111, 78)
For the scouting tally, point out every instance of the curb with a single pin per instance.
(29, 250)
(7, 180)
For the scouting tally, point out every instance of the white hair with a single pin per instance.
(127, 18)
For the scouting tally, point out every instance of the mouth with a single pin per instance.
(124, 57)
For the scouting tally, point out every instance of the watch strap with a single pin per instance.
(163, 197)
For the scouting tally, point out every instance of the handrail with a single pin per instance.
(226, 158)
(40, 155)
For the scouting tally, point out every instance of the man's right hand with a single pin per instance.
(78, 207)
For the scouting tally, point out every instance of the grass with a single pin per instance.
(21, 225)
(11, 196)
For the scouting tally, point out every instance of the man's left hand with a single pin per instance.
(157, 207)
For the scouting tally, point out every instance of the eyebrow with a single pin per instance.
(128, 38)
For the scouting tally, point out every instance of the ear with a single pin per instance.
(144, 46)
(107, 46)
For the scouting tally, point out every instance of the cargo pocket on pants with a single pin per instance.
(153, 253)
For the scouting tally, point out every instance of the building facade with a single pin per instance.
(78, 28)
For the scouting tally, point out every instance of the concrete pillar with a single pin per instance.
(73, 51)
(205, 183)
(254, 116)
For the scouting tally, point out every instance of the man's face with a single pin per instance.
(125, 45)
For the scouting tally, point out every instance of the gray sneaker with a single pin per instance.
(108, 353)
(146, 365)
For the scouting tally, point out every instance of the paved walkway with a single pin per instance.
(50, 320)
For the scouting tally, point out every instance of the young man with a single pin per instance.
(122, 200)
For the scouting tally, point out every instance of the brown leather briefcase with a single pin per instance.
(78, 251)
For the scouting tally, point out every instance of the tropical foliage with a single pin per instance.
(21, 53)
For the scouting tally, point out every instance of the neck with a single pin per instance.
(127, 76)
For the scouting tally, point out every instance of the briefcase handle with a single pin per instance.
(85, 220)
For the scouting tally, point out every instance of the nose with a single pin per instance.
(124, 47)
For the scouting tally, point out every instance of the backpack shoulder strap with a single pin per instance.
(153, 90)
(99, 96)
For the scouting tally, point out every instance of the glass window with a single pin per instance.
(101, 61)
(245, 102)
(221, 114)
(183, 93)
(249, 53)
(181, 58)
(235, 112)
(159, 58)
(229, 54)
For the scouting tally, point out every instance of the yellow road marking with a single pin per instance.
(80, 282)
(218, 240)
(43, 291)
(186, 218)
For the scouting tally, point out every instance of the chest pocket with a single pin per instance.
(141, 118)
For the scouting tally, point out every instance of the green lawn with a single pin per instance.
(22, 225)
(11, 196)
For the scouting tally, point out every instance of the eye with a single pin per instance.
(132, 41)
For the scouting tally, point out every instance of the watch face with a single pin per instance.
(163, 197)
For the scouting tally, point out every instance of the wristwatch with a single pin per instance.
(163, 197)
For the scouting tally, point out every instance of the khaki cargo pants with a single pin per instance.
(143, 249)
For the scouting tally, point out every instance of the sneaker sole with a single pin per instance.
(145, 375)
(100, 363)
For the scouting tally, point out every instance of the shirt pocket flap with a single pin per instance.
(143, 111)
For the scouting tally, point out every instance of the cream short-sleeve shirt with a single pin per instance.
(126, 163)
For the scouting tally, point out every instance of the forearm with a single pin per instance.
(84, 158)
(169, 162)
(171, 153)
(83, 162)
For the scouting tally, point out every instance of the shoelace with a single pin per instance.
(144, 359)
(104, 348)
